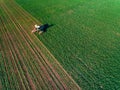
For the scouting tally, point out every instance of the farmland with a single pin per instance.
(85, 38)
(25, 63)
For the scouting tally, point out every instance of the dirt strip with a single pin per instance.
(49, 77)
(32, 68)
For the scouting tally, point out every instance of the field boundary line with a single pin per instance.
(47, 49)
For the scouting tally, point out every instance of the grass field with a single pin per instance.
(85, 38)
(25, 63)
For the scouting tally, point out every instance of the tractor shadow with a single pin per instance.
(46, 26)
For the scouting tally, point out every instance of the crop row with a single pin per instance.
(30, 67)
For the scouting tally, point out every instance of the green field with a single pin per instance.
(85, 38)
(25, 63)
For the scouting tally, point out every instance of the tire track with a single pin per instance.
(50, 67)
(46, 74)
(42, 67)
(57, 76)
(8, 43)
(52, 76)
(7, 64)
(20, 43)
(34, 20)
(18, 46)
(23, 67)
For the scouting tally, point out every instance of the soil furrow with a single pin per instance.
(60, 80)
(51, 68)
(23, 66)
(8, 61)
(34, 22)
(32, 68)
(20, 45)
(57, 76)
(45, 74)
(17, 55)
(6, 38)
(45, 65)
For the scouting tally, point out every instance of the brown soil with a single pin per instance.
(25, 64)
